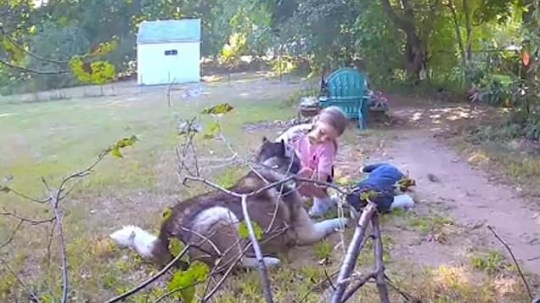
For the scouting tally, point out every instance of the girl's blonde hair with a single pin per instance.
(334, 117)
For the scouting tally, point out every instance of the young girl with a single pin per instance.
(316, 147)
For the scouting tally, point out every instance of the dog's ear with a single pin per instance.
(264, 139)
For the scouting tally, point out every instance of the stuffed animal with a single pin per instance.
(385, 186)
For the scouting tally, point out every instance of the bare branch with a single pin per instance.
(23, 219)
(17, 193)
(30, 292)
(17, 45)
(233, 264)
(360, 282)
(33, 71)
(379, 263)
(172, 292)
(352, 252)
(20, 223)
(226, 274)
(58, 219)
(12, 236)
(267, 292)
(407, 297)
(51, 238)
(151, 279)
(328, 279)
(514, 259)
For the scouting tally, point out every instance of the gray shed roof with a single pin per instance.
(163, 31)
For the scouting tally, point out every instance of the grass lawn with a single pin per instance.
(56, 138)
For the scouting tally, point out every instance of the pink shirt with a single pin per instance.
(319, 157)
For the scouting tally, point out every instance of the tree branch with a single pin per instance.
(151, 279)
(30, 292)
(514, 259)
(17, 45)
(400, 22)
(58, 219)
(352, 253)
(379, 262)
(258, 254)
(361, 282)
(20, 223)
(33, 71)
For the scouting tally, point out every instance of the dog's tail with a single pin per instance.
(147, 245)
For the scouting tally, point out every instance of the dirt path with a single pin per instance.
(466, 194)
(470, 198)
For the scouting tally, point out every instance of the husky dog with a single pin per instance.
(211, 222)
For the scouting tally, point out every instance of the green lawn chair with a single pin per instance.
(347, 89)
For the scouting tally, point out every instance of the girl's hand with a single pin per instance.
(307, 188)
(306, 173)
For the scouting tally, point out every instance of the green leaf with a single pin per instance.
(175, 247)
(184, 281)
(122, 143)
(46, 298)
(167, 213)
(212, 131)
(368, 195)
(244, 232)
(222, 108)
(345, 180)
(115, 151)
(4, 189)
(125, 142)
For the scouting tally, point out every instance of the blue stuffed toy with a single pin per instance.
(384, 179)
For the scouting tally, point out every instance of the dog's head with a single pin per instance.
(274, 155)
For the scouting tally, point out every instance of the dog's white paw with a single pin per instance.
(271, 262)
(342, 223)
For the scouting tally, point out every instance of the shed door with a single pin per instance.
(170, 61)
(182, 62)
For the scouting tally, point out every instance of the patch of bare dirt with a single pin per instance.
(449, 185)
(471, 198)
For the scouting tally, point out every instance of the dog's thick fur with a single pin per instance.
(211, 221)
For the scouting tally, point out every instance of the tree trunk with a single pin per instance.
(468, 29)
(529, 72)
(459, 38)
(415, 55)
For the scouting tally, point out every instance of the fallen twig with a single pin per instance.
(514, 259)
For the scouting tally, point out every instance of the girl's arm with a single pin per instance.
(309, 189)
(326, 162)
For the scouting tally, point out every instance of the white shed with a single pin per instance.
(168, 51)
